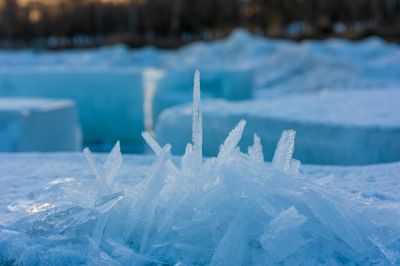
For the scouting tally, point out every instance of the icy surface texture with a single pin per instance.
(233, 209)
(38, 125)
(109, 101)
(334, 127)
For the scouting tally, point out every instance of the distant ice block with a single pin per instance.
(109, 100)
(175, 86)
(38, 125)
(336, 127)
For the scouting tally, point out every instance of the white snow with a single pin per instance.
(38, 125)
(334, 127)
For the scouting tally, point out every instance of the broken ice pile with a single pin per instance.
(232, 209)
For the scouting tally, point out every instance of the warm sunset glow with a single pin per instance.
(34, 16)
(24, 3)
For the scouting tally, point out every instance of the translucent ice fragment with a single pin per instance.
(282, 236)
(112, 164)
(287, 219)
(106, 174)
(105, 203)
(55, 221)
(233, 246)
(98, 231)
(231, 141)
(284, 152)
(392, 256)
(294, 166)
(325, 181)
(151, 193)
(256, 150)
(152, 142)
(197, 126)
(187, 160)
(336, 218)
(93, 165)
(157, 150)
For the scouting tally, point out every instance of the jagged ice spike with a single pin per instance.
(152, 185)
(197, 123)
(112, 164)
(232, 140)
(105, 176)
(157, 150)
(284, 151)
(98, 173)
(151, 191)
(99, 228)
(256, 150)
(152, 142)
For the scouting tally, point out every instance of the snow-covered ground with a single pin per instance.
(38, 125)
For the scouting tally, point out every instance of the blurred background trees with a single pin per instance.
(171, 23)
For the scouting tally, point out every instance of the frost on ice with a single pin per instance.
(234, 209)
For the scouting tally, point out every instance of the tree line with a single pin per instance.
(173, 22)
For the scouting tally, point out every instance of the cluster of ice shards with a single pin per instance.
(232, 209)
